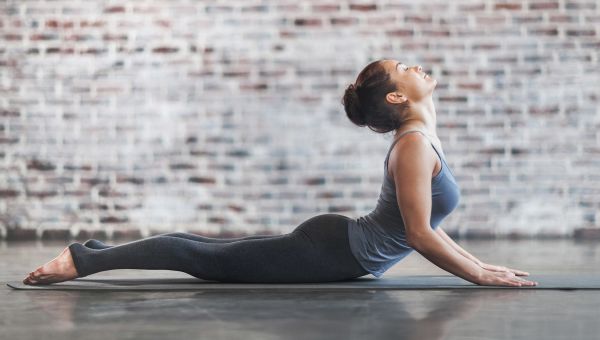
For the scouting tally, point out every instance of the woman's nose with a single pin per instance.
(419, 68)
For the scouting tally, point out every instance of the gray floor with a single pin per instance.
(428, 314)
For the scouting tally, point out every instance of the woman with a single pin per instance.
(418, 191)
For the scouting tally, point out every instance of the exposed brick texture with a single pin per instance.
(129, 119)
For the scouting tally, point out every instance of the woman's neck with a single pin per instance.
(423, 118)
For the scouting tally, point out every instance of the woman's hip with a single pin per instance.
(328, 234)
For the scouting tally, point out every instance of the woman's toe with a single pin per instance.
(28, 281)
(37, 273)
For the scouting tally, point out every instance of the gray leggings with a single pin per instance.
(315, 251)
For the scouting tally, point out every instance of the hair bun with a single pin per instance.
(352, 106)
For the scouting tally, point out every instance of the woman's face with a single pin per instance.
(411, 82)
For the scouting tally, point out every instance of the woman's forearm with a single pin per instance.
(439, 252)
(454, 245)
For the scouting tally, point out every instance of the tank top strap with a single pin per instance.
(400, 136)
(436, 151)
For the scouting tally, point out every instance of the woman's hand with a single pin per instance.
(495, 268)
(503, 278)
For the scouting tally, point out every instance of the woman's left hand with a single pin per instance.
(495, 268)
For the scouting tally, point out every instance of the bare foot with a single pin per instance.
(61, 268)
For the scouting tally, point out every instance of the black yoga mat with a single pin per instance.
(545, 281)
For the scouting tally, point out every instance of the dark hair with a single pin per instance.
(365, 104)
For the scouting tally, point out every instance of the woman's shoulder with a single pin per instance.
(408, 145)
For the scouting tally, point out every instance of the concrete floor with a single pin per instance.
(427, 314)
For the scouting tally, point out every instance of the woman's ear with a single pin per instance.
(395, 98)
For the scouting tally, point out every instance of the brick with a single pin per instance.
(479, 234)
(4, 112)
(527, 18)
(486, 46)
(314, 181)
(586, 233)
(579, 5)
(327, 8)
(182, 166)
(113, 219)
(515, 236)
(218, 9)
(56, 234)
(469, 86)
(85, 235)
(92, 181)
(115, 9)
(255, 8)
(202, 180)
(543, 31)
(40, 165)
(12, 37)
(543, 5)
(330, 194)
(108, 192)
(218, 220)
(591, 19)
(582, 32)
(236, 208)
(254, 87)
(94, 24)
(347, 180)
(129, 234)
(453, 99)
(41, 193)
(4, 140)
(278, 181)
(238, 153)
(94, 51)
(507, 6)
(204, 206)
(165, 49)
(435, 33)
(43, 37)
(471, 7)
(343, 21)
(362, 7)
(314, 22)
(130, 179)
(400, 33)
(418, 19)
(561, 18)
(51, 50)
(340, 208)
(18, 234)
(114, 37)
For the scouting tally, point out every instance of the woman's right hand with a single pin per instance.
(492, 278)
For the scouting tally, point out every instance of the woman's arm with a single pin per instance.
(454, 245)
(480, 263)
(416, 163)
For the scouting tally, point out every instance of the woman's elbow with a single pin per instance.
(413, 243)
(416, 239)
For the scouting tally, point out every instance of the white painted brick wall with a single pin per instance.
(225, 117)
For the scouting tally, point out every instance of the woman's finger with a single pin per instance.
(506, 269)
(511, 283)
(519, 272)
(494, 268)
(527, 282)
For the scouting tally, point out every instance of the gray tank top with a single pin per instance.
(378, 239)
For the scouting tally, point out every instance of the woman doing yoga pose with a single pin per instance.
(417, 193)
